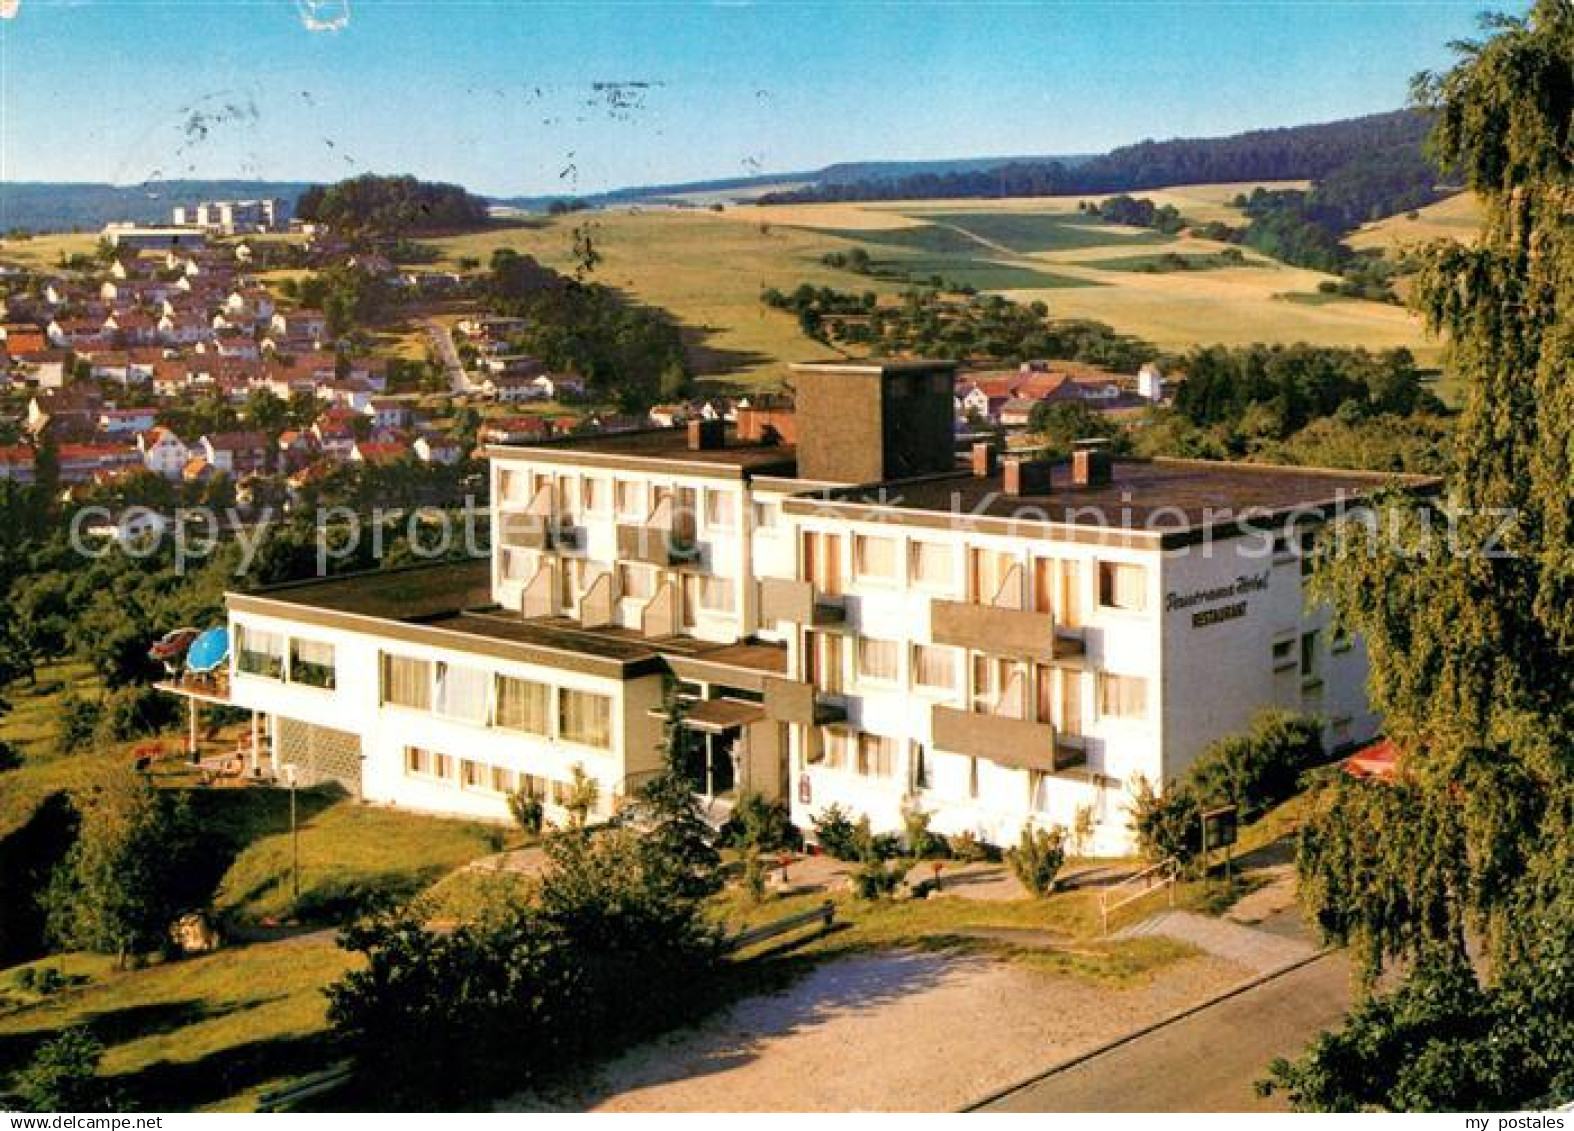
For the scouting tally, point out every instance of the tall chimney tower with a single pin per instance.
(867, 421)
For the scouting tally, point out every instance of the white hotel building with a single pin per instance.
(856, 619)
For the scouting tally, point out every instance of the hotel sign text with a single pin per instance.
(1228, 601)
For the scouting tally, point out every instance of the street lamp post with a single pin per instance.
(295, 837)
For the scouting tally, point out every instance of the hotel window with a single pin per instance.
(472, 775)
(707, 592)
(876, 755)
(932, 565)
(1123, 586)
(637, 581)
(836, 749)
(629, 497)
(823, 661)
(822, 562)
(994, 681)
(533, 785)
(990, 576)
(513, 487)
(1123, 696)
(427, 763)
(934, 665)
(502, 780)
(972, 777)
(566, 502)
(524, 705)
(311, 663)
(721, 510)
(920, 764)
(879, 659)
(1284, 654)
(593, 494)
(259, 653)
(461, 692)
(585, 718)
(874, 559)
(406, 682)
(767, 516)
(1309, 641)
(1340, 641)
(1308, 552)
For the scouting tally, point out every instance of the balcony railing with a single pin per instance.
(1019, 743)
(798, 602)
(665, 538)
(795, 701)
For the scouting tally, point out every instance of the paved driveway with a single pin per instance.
(1207, 1061)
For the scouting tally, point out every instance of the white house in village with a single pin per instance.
(163, 452)
(858, 620)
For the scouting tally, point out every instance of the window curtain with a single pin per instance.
(524, 705)
(586, 719)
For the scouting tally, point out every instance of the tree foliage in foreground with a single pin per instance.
(1471, 634)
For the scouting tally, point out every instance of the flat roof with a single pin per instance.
(449, 605)
(1170, 501)
(658, 446)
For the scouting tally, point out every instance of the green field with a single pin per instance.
(708, 268)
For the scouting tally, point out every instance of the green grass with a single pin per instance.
(208, 1032)
(1028, 233)
(983, 274)
(1172, 262)
(349, 853)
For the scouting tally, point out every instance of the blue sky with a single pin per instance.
(501, 95)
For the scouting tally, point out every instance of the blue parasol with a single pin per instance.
(208, 651)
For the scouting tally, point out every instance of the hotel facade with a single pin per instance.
(850, 615)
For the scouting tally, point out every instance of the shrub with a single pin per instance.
(79, 720)
(1260, 768)
(63, 1076)
(527, 811)
(876, 879)
(41, 980)
(970, 849)
(1167, 826)
(761, 824)
(835, 833)
(608, 952)
(134, 711)
(918, 840)
(1038, 857)
(753, 873)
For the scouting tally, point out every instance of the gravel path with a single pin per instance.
(897, 1031)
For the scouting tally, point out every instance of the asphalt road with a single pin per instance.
(1206, 1061)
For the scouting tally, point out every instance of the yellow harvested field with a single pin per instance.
(708, 269)
(45, 251)
(1457, 217)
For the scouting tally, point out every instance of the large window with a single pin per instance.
(259, 653)
(406, 682)
(636, 581)
(629, 497)
(934, 665)
(1123, 696)
(876, 755)
(461, 692)
(990, 578)
(1123, 586)
(524, 705)
(879, 660)
(721, 510)
(713, 594)
(585, 718)
(874, 559)
(594, 494)
(933, 565)
(311, 663)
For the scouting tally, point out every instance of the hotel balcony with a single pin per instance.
(798, 602)
(656, 545)
(998, 630)
(794, 701)
(544, 533)
(1019, 743)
